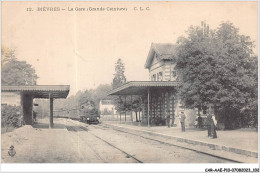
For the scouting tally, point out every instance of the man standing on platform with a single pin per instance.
(209, 122)
(34, 117)
(182, 120)
(213, 127)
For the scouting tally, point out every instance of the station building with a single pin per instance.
(159, 93)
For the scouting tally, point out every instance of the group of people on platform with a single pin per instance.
(211, 123)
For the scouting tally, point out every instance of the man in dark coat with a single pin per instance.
(182, 120)
(209, 123)
(200, 122)
(34, 116)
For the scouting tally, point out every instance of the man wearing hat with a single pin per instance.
(182, 120)
(209, 122)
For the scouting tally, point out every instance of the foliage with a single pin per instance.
(7, 55)
(119, 76)
(100, 93)
(118, 80)
(11, 116)
(94, 95)
(16, 72)
(219, 70)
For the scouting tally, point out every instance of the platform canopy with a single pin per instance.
(141, 87)
(40, 91)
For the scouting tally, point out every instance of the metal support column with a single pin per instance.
(173, 110)
(140, 109)
(143, 111)
(51, 111)
(120, 107)
(131, 110)
(148, 106)
(125, 109)
(165, 106)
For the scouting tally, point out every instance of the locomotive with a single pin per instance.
(89, 113)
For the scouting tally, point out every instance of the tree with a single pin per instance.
(119, 76)
(118, 80)
(238, 71)
(136, 106)
(194, 64)
(100, 93)
(218, 70)
(16, 72)
(95, 95)
(7, 55)
(11, 116)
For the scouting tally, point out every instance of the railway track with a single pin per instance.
(127, 155)
(73, 129)
(100, 126)
(104, 127)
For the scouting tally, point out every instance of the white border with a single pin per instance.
(119, 167)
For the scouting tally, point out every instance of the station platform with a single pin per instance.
(241, 142)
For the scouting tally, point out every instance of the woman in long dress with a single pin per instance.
(213, 126)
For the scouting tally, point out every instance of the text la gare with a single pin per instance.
(76, 9)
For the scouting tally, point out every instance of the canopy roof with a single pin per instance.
(141, 87)
(40, 91)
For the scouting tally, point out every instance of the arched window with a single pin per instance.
(160, 76)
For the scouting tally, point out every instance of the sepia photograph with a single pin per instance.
(122, 84)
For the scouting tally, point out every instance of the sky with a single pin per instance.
(80, 48)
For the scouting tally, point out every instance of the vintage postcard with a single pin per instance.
(137, 83)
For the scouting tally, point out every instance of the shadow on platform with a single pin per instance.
(76, 128)
(46, 126)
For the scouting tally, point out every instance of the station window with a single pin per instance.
(154, 77)
(160, 76)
